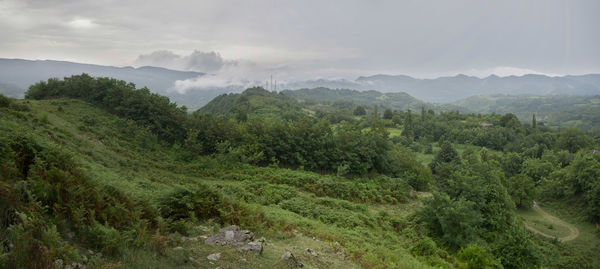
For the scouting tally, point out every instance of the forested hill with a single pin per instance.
(339, 97)
(335, 104)
(254, 101)
(582, 112)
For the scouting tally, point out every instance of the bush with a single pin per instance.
(202, 202)
(4, 101)
(104, 238)
(476, 257)
(424, 247)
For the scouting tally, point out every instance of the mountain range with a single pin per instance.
(16, 75)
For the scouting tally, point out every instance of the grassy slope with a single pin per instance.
(115, 152)
(588, 242)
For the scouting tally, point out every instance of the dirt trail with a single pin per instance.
(573, 231)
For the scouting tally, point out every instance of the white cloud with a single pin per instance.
(82, 23)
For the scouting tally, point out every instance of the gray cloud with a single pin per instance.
(336, 38)
(196, 61)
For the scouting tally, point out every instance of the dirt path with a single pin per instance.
(573, 231)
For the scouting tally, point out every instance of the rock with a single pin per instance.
(289, 257)
(214, 256)
(230, 235)
(178, 248)
(203, 228)
(312, 252)
(255, 246)
(75, 265)
(84, 259)
(58, 263)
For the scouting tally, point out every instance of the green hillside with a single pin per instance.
(253, 101)
(581, 112)
(97, 172)
(340, 97)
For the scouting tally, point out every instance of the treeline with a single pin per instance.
(499, 132)
(307, 143)
(121, 98)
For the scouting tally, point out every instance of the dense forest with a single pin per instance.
(97, 171)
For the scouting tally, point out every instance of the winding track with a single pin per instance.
(573, 231)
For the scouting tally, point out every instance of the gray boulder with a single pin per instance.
(256, 246)
(214, 256)
(230, 235)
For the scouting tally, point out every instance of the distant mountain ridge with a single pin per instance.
(23, 73)
(449, 89)
(16, 75)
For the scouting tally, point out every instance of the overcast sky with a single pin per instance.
(325, 39)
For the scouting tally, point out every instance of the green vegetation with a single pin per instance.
(94, 170)
(581, 112)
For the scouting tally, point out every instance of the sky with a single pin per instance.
(310, 39)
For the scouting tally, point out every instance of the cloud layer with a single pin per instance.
(206, 62)
(327, 38)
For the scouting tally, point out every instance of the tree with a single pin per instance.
(537, 169)
(477, 257)
(510, 120)
(447, 154)
(522, 190)
(359, 111)
(408, 126)
(387, 114)
(573, 140)
(515, 249)
(456, 221)
(512, 163)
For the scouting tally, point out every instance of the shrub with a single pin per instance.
(476, 257)
(424, 247)
(104, 238)
(4, 101)
(201, 202)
